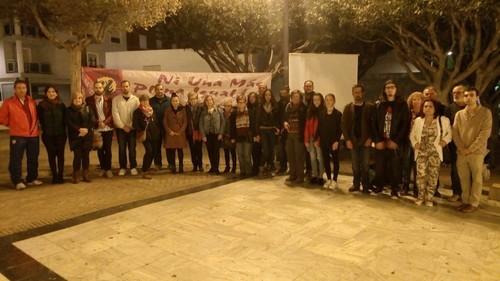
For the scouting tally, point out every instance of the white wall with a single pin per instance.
(179, 60)
(331, 73)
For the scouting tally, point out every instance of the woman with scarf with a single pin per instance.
(80, 122)
(51, 113)
(148, 133)
(242, 136)
(175, 123)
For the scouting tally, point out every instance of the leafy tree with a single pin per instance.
(447, 41)
(229, 34)
(73, 25)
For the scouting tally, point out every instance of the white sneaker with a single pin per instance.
(334, 185)
(102, 173)
(133, 172)
(121, 172)
(35, 183)
(419, 202)
(327, 184)
(20, 186)
(109, 174)
(429, 203)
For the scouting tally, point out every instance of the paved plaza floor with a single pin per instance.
(264, 230)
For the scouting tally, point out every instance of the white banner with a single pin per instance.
(220, 85)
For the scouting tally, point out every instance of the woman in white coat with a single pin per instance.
(429, 134)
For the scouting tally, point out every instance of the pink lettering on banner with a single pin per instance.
(139, 87)
(192, 82)
(237, 83)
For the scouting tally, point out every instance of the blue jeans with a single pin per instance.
(244, 152)
(126, 140)
(317, 164)
(18, 145)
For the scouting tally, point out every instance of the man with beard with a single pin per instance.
(160, 102)
(358, 137)
(100, 105)
(123, 107)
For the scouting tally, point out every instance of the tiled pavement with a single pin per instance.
(264, 230)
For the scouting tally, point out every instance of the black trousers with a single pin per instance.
(104, 154)
(388, 166)
(81, 158)
(213, 148)
(171, 156)
(19, 145)
(230, 155)
(126, 140)
(455, 180)
(283, 159)
(196, 153)
(158, 148)
(55, 151)
(256, 157)
(329, 156)
(149, 153)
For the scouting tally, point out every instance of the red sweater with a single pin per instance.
(311, 129)
(13, 115)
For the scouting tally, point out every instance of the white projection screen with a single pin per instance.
(331, 73)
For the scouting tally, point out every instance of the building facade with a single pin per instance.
(26, 53)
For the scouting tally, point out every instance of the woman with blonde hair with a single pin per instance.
(80, 123)
(211, 128)
(414, 102)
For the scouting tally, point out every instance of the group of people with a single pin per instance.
(302, 132)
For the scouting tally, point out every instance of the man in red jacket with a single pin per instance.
(19, 114)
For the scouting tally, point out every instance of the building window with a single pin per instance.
(143, 41)
(92, 59)
(8, 29)
(115, 38)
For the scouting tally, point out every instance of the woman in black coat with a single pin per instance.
(80, 122)
(148, 133)
(330, 132)
(51, 113)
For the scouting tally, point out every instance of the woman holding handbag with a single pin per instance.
(80, 123)
(430, 133)
(148, 133)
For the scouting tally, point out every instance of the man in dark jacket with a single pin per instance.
(390, 128)
(281, 151)
(356, 128)
(100, 105)
(160, 102)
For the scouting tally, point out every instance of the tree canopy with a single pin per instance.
(447, 41)
(73, 24)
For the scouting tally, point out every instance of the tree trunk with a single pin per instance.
(76, 69)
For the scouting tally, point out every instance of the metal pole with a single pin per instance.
(285, 42)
